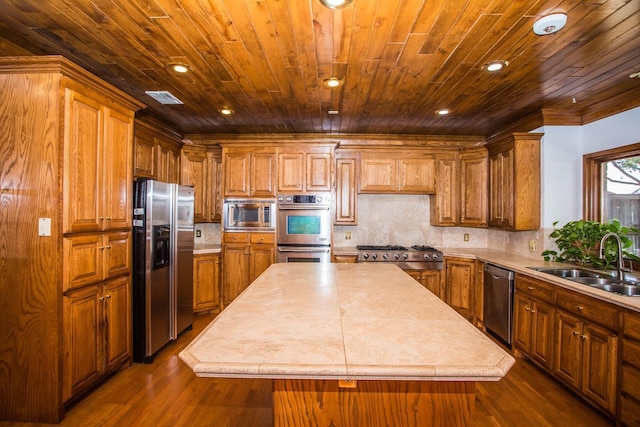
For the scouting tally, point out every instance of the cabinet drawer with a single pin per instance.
(632, 324)
(589, 308)
(263, 238)
(631, 353)
(535, 288)
(631, 381)
(629, 411)
(236, 237)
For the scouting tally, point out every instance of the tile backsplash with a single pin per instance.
(404, 220)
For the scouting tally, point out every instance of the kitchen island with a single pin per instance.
(350, 344)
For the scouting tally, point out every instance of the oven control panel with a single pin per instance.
(316, 199)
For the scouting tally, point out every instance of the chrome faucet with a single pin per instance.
(621, 268)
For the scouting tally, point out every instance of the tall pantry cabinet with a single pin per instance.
(65, 244)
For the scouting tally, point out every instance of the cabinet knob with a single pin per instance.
(584, 337)
(532, 311)
(101, 298)
(108, 218)
(579, 307)
(530, 288)
(527, 309)
(108, 296)
(101, 248)
(101, 218)
(576, 333)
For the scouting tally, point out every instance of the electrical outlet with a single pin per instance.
(347, 235)
(198, 233)
(532, 245)
(466, 237)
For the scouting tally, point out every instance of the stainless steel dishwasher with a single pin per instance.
(498, 302)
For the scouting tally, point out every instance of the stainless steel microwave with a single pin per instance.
(249, 215)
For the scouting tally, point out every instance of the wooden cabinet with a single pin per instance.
(346, 195)
(156, 151)
(305, 170)
(249, 172)
(350, 259)
(459, 285)
(69, 145)
(445, 204)
(586, 359)
(95, 257)
(97, 334)
(629, 410)
(97, 159)
(586, 347)
(514, 181)
(430, 279)
(206, 282)
(534, 317)
(168, 169)
(461, 189)
(411, 172)
(473, 188)
(244, 257)
(201, 169)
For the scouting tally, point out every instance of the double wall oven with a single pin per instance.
(303, 227)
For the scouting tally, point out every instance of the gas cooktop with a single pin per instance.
(426, 256)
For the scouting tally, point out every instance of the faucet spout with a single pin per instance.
(621, 269)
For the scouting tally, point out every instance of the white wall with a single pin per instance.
(562, 151)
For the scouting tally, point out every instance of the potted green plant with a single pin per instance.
(578, 242)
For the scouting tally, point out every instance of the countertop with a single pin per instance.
(343, 321)
(520, 264)
(206, 248)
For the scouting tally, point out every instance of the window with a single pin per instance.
(612, 188)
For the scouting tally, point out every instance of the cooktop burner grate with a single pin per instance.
(381, 248)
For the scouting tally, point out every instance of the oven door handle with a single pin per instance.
(304, 208)
(309, 250)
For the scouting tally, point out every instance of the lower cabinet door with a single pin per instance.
(82, 323)
(568, 345)
(542, 333)
(599, 358)
(117, 318)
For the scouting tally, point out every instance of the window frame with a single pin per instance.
(592, 180)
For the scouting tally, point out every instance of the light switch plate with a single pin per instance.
(44, 226)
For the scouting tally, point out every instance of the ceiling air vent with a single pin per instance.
(163, 97)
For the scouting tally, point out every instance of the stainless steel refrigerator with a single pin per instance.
(162, 265)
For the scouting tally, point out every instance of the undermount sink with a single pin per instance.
(593, 279)
(567, 273)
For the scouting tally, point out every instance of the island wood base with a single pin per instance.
(372, 403)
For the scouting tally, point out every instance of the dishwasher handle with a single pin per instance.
(499, 272)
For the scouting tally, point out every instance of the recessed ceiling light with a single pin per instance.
(443, 111)
(494, 66)
(180, 68)
(550, 24)
(226, 111)
(336, 4)
(332, 82)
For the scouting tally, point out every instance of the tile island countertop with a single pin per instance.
(343, 321)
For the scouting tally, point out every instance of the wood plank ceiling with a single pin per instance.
(400, 60)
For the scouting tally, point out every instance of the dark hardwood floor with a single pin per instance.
(167, 393)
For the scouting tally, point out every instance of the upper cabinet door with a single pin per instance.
(236, 174)
(263, 175)
(98, 155)
(417, 175)
(116, 185)
(291, 172)
(318, 171)
(83, 134)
